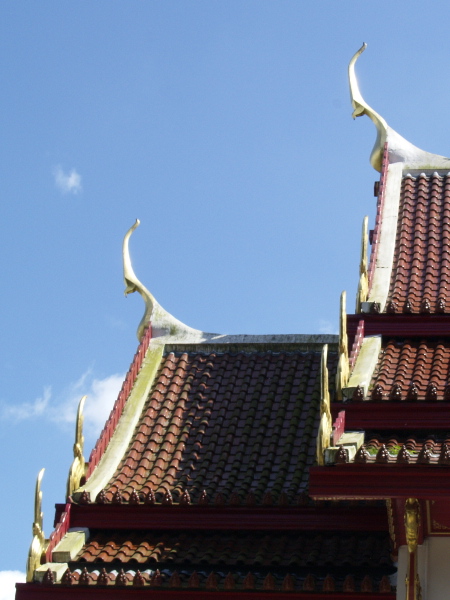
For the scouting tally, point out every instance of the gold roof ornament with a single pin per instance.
(400, 150)
(78, 468)
(343, 368)
(363, 285)
(326, 422)
(360, 108)
(37, 546)
(163, 323)
(132, 283)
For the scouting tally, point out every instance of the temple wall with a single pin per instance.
(433, 566)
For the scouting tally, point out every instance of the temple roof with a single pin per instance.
(315, 552)
(412, 369)
(420, 281)
(226, 423)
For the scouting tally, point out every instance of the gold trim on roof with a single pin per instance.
(38, 542)
(78, 468)
(343, 369)
(326, 422)
(363, 285)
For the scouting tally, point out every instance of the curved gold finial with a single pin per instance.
(343, 369)
(363, 286)
(38, 541)
(326, 423)
(132, 283)
(78, 468)
(360, 107)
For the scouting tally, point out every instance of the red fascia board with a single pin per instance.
(37, 591)
(394, 415)
(356, 481)
(400, 325)
(125, 516)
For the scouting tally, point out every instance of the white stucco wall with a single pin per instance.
(433, 566)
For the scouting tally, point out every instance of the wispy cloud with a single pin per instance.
(67, 183)
(328, 327)
(8, 579)
(27, 410)
(62, 409)
(101, 395)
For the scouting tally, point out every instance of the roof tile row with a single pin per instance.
(411, 370)
(311, 550)
(215, 581)
(399, 451)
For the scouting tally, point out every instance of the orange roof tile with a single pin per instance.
(420, 281)
(412, 370)
(229, 424)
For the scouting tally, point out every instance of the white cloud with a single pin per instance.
(101, 395)
(8, 579)
(28, 410)
(67, 183)
(327, 327)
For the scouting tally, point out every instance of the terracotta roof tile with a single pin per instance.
(412, 370)
(252, 549)
(398, 449)
(243, 423)
(420, 281)
(205, 578)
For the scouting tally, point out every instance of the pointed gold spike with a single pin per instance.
(132, 283)
(326, 423)
(38, 542)
(363, 286)
(343, 369)
(78, 467)
(361, 107)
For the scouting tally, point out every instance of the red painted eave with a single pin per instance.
(400, 325)
(125, 516)
(394, 415)
(356, 481)
(31, 591)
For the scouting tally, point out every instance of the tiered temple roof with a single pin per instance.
(278, 465)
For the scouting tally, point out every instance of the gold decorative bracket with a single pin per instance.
(326, 424)
(343, 369)
(37, 546)
(132, 283)
(412, 523)
(361, 108)
(412, 528)
(78, 468)
(363, 285)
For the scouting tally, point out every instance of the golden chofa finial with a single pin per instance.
(38, 541)
(132, 283)
(360, 107)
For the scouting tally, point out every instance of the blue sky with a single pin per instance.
(226, 128)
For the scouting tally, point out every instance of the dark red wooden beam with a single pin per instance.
(126, 516)
(400, 325)
(36, 591)
(394, 415)
(358, 481)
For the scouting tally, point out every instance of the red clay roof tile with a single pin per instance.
(421, 269)
(253, 433)
(412, 370)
